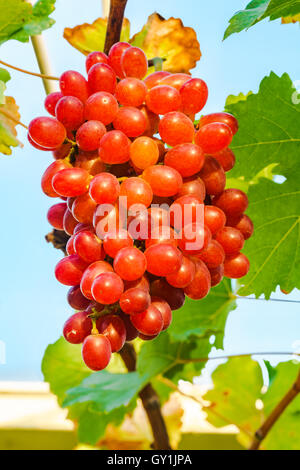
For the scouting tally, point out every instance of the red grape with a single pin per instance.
(88, 246)
(149, 322)
(176, 80)
(90, 274)
(131, 92)
(114, 57)
(114, 147)
(173, 295)
(83, 209)
(101, 77)
(89, 135)
(104, 188)
(144, 152)
(214, 137)
(164, 180)
(163, 99)
(71, 182)
(95, 57)
(164, 309)
(200, 285)
(231, 240)
(130, 263)
(193, 186)
(134, 62)
(47, 132)
(188, 159)
(136, 191)
(243, 223)
(216, 275)
(194, 94)
(214, 218)
(69, 111)
(96, 352)
(154, 78)
(51, 101)
(193, 238)
(69, 270)
(232, 201)
(112, 326)
(213, 176)
(224, 118)
(184, 276)
(74, 84)
(226, 158)
(176, 128)
(107, 288)
(55, 215)
(77, 328)
(163, 259)
(114, 241)
(134, 300)
(69, 222)
(130, 120)
(101, 106)
(76, 299)
(236, 266)
(213, 255)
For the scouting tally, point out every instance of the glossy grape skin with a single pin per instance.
(232, 201)
(69, 222)
(114, 241)
(47, 132)
(96, 352)
(37, 146)
(69, 270)
(101, 106)
(186, 210)
(90, 274)
(176, 128)
(55, 215)
(77, 328)
(224, 118)
(243, 223)
(163, 259)
(226, 158)
(149, 322)
(95, 57)
(164, 180)
(175, 80)
(69, 111)
(172, 295)
(134, 62)
(187, 159)
(104, 188)
(231, 240)
(131, 92)
(136, 191)
(213, 255)
(134, 300)
(112, 326)
(101, 77)
(214, 137)
(194, 94)
(144, 152)
(74, 84)
(89, 161)
(52, 169)
(70, 182)
(70, 246)
(83, 209)
(184, 276)
(216, 275)
(107, 288)
(192, 186)
(89, 134)
(193, 238)
(81, 226)
(214, 218)
(163, 99)
(76, 299)
(130, 263)
(114, 147)
(201, 284)
(115, 55)
(152, 121)
(213, 176)
(236, 266)
(88, 246)
(164, 309)
(51, 101)
(130, 120)
(155, 78)
(141, 283)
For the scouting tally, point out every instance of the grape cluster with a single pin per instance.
(129, 145)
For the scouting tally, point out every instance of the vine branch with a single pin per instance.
(114, 24)
(40, 75)
(150, 402)
(263, 431)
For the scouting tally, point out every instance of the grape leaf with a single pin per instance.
(204, 318)
(20, 20)
(237, 387)
(91, 37)
(171, 40)
(9, 116)
(291, 19)
(257, 10)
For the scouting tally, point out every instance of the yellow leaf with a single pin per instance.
(290, 19)
(9, 116)
(171, 40)
(91, 37)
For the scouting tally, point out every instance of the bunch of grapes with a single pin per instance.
(128, 158)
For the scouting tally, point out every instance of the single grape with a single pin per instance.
(188, 159)
(69, 111)
(101, 77)
(104, 188)
(90, 162)
(176, 128)
(70, 182)
(130, 120)
(51, 101)
(37, 146)
(74, 84)
(134, 62)
(114, 147)
(55, 215)
(134, 300)
(236, 266)
(131, 92)
(152, 121)
(149, 322)
(69, 270)
(201, 284)
(47, 132)
(224, 118)
(186, 210)
(89, 135)
(144, 152)
(164, 309)
(88, 246)
(184, 276)
(164, 180)
(155, 78)
(52, 169)
(243, 223)
(231, 240)
(163, 259)
(141, 283)
(232, 201)
(114, 57)
(226, 158)
(107, 288)
(214, 137)
(76, 299)
(114, 241)
(95, 57)
(77, 328)
(136, 191)
(194, 94)
(213, 255)
(213, 176)
(113, 327)
(130, 263)
(214, 218)
(96, 351)
(83, 208)
(163, 99)
(90, 274)
(101, 106)
(192, 186)
(70, 246)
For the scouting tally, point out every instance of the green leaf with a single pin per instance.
(19, 20)
(237, 387)
(257, 10)
(206, 317)
(9, 116)
(4, 75)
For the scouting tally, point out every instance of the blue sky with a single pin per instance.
(32, 303)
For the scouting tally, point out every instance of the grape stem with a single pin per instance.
(114, 24)
(41, 75)
(10, 116)
(273, 417)
(150, 402)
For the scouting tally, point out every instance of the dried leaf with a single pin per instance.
(8, 124)
(91, 37)
(290, 19)
(171, 40)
